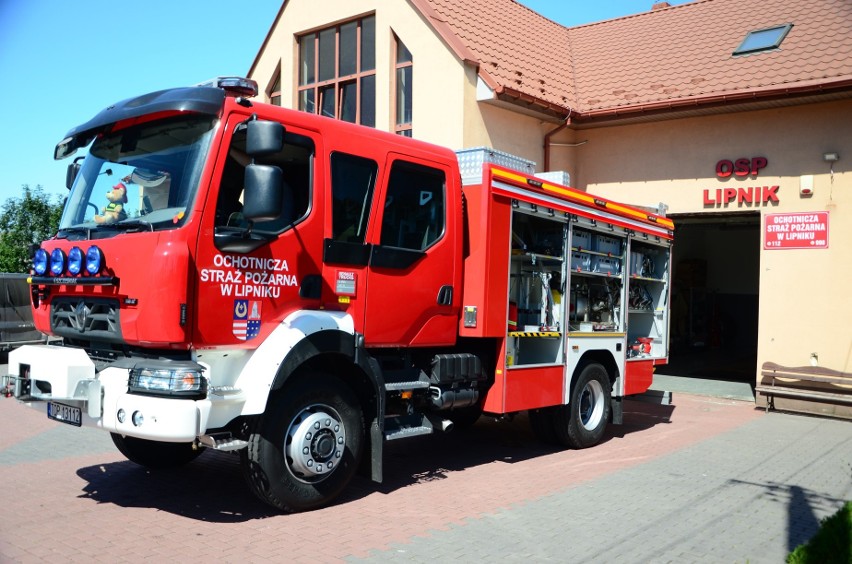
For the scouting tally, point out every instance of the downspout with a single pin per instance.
(549, 135)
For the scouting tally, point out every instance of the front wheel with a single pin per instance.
(155, 454)
(306, 448)
(582, 422)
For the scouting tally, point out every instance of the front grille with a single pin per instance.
(86, 318)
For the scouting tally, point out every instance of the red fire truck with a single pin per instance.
(239, 276)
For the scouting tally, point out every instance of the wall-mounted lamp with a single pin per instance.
(831, 158)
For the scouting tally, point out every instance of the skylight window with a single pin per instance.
(766, 39)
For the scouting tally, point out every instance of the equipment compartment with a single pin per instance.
(648, 261)
(535, 288)
(647, 299)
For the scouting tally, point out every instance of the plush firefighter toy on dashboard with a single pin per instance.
(115, 209)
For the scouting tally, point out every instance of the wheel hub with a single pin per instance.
(315, 442)
(591, 405)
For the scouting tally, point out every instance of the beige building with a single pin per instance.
(737, 115)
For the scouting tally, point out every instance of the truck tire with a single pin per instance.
(582, 423)
(155, 454)
(306, 448)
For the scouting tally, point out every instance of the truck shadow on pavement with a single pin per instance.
(212, 489)
(509, 441)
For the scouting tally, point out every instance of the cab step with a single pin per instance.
(222, 441)
(406, 432)
(403, 427)
(404, 386)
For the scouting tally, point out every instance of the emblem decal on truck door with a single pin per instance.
(246, 319)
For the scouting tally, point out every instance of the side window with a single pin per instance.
(404, 68)
(352, 182)
(337, 71)
(296, 163)
(414, 215)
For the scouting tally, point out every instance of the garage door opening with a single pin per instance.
(714, 299)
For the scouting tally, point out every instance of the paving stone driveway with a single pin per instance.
(702, 480)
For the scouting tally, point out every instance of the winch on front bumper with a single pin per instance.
(46, 372)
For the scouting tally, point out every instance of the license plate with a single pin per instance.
(65, 413)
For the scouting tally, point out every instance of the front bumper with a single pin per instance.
(45, 373)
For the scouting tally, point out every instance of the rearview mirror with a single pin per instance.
(72, 172)
(263, 193)
(264, 137)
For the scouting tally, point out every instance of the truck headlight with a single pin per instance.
(187, 383)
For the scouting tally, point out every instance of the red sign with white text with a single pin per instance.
(807, 230)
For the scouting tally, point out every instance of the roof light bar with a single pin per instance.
(233, 85)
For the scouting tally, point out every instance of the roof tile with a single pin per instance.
(676, 53)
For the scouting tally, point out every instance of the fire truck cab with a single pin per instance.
(239, 276)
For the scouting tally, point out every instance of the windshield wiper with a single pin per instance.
(63, 233)
(129, 225)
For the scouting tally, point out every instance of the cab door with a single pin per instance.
(346, 250)
(246, 285)
(414, 270)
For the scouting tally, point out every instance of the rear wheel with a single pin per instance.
(306, 448)
(582, 422)
(155, 454)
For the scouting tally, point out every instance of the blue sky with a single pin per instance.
(61, 63)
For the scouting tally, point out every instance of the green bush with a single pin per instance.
(26, 221)
(832, 543)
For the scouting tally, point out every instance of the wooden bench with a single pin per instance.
(840, 382)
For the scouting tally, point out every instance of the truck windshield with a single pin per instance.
(140, 177)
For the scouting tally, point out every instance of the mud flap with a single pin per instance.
(377, 443)
(617, 411)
